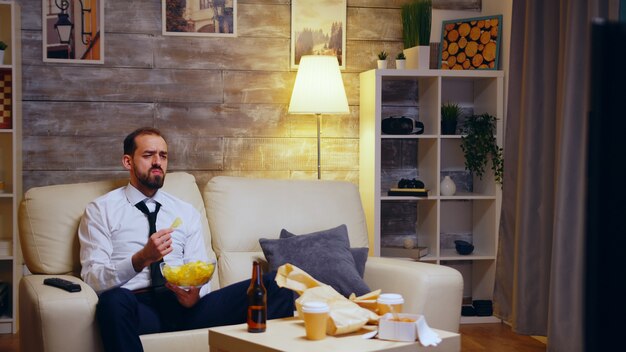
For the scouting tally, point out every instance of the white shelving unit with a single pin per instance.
(10, 160)
(472, 214)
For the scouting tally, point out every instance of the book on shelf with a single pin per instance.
(413, 253)
(413, 192)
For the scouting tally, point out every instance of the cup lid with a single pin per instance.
(390, 298)
(315, 307)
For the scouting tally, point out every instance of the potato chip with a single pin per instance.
(195, 273)
(177, 222)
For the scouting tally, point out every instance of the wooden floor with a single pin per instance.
(496, 337)
(474, 338)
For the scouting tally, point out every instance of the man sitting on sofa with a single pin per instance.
(117, 248)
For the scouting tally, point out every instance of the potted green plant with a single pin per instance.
(382, 59)
(480, 147)
(416, 25)
(400, 61)
(3, 47)
(450, 113)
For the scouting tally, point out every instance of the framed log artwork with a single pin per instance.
(200, 18)
(318, 28)
(73, 31)
(470, 44)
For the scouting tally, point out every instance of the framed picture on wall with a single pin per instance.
(73, 31)
(470, 44)
(471, 5)
(202, 18)
(318, 27)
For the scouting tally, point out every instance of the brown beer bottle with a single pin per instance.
(257, 300)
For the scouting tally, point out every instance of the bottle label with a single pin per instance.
(257, 317)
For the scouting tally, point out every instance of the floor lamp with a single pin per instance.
(318, 90)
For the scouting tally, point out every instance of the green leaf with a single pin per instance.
(416, 23)
(480, 146)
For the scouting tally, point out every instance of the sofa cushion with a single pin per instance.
(325, 255)
(358, 254)
(242, 210)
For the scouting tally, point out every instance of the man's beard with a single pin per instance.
(155, 183)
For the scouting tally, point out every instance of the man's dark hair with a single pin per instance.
(129, 142)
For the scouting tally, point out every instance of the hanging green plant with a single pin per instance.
(480, 146)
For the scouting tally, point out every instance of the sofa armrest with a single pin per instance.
(54, 320)
(436, 291)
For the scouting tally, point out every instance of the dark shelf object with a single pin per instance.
(464, 247)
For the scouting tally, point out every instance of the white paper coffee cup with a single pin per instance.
(387, 301)
(315, 316)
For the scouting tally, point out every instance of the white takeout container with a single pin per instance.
(398, 331)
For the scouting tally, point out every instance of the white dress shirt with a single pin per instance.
(112, 230)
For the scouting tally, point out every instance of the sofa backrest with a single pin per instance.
(49, 217)
(242, 210)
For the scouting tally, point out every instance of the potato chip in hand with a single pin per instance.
(177, 222)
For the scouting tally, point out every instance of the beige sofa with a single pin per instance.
(239, 212)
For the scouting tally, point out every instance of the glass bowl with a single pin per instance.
(191, 274)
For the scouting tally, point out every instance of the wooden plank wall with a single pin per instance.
(222, 102)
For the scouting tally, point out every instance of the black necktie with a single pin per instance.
(155, 271)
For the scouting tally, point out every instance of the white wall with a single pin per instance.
(504, 7)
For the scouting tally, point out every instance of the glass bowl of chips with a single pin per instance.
(191, 274)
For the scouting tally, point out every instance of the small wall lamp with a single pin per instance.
(64, 26)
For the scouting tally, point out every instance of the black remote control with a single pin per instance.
(62, 284)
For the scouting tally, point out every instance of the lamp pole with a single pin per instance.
(319, 160)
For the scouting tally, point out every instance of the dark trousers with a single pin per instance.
(124, 315)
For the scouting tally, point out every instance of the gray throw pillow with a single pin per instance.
(325, 255)
(358, 254)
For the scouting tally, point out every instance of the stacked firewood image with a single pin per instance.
(470, 45)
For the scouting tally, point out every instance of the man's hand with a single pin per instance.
(158, 246)
(187, 298)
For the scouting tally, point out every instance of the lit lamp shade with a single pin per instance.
(319, 87)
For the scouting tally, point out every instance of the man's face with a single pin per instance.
(148, 164)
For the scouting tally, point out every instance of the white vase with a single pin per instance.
(447, 187)
(382, 64)
(1, 57)
(400, 64)
(418, 57)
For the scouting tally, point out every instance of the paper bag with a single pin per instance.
(367, 301)
(345, 315)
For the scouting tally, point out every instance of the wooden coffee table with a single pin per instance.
(288, 335)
